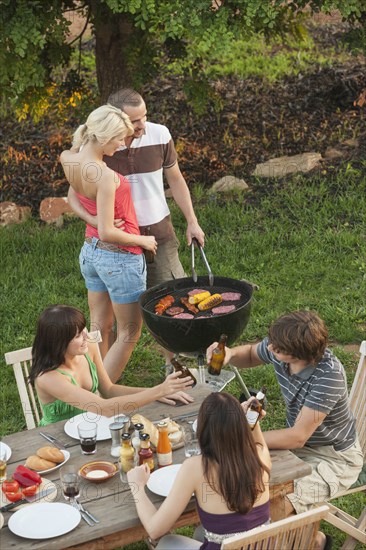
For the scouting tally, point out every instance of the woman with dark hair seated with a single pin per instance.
(68, 373)
(229, 479)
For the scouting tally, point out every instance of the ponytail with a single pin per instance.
(80, 137)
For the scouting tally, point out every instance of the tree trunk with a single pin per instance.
(114, 33)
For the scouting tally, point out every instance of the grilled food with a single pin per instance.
(197, 298)
(163, 304)
(190, 307)
(210, 302)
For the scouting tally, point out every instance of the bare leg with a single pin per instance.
(319, 541)
(102, 318)
(129, 322)
(290, 511)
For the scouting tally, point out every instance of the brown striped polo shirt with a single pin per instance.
(142, 164)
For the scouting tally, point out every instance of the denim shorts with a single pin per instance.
(123, 276)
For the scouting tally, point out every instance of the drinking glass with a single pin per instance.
(3, 467)
(70, 481)
(88, 437)
(191, 445)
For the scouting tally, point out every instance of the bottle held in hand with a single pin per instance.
(183, 370)
(218, 357)
(164, 448)
(255, 408)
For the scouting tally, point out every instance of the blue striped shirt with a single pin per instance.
(322, 387)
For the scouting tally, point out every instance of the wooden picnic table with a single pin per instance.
(112, 501)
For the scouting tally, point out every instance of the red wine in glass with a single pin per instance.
(71, 491)
(88, 445)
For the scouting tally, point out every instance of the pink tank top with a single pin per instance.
(123, 208)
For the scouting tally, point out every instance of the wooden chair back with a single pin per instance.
(287, 534)
(357, 398)
(21, 361)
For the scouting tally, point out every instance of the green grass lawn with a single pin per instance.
(301, 241)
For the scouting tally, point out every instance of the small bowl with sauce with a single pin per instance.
(98, 471)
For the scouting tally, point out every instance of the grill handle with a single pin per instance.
(194, 273)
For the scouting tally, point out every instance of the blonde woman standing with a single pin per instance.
(111, 259)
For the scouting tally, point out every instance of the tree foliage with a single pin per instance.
(132, 37)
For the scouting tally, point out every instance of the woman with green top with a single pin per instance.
(69, 377)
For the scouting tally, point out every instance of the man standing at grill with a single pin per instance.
(148, 155)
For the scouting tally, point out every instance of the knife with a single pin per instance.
(28, 500)
(56, 442)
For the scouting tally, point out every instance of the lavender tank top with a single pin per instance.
(232, 523)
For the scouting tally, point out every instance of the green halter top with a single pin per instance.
(59, 410)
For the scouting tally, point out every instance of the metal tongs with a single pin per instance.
(194, 274)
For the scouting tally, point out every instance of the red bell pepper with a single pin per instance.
(26, 477)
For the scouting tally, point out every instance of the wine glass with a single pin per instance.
(70, 481)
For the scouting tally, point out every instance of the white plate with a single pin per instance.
(71, 426)
(66, 456)
(1, 520)
(45, 484)
(4, 448)
(44, 521)
(161, 481)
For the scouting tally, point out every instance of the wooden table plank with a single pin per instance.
(112, 501)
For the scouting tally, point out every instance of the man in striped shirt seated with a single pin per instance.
(320, 427)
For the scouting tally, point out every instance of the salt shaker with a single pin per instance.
(116, 429)
(136, 440)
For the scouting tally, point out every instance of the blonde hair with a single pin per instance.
(102, 125)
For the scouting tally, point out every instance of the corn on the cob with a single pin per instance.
(197, 298)
(210, 302)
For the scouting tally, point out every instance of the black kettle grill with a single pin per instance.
(192, 336)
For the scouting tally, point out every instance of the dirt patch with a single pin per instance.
(309, 112)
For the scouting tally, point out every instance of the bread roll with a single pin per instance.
(175, 437)
(51, 453)
(149, 427)
(37, 463)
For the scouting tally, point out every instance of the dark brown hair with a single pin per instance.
(125, 97)
(301, 334)
(57, 326)
(228, 448)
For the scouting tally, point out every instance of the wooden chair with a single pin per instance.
(355, 527)
(293, 533)
(21, 361)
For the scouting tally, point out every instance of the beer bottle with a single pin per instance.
(218, 356)
(183, 370)
(145, 453)
(164, 448)
(127, 453)
(149, 254)
(255, 408)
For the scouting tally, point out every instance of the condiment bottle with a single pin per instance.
(136, 440)
(218, 356)
(164, 448)
(127, 453)
(255, 408)
(183, 370)
(116, 429)
(145, 453)
(149, 254)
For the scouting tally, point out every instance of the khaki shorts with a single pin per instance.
(333, 472)
(166, 264)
